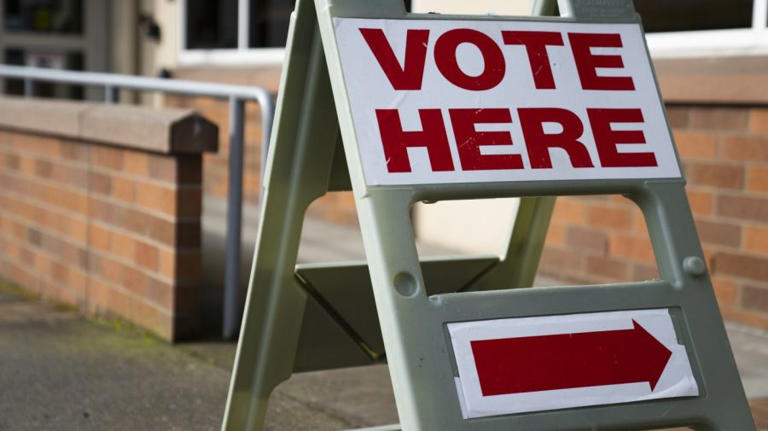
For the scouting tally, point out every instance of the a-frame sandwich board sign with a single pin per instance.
(432, 107)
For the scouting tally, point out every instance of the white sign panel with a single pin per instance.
(437, 101)
(531, 364)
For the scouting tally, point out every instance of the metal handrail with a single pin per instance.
(237, 96)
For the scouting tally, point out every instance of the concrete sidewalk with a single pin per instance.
(59, 371)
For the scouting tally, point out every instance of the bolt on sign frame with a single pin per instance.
(321, 316)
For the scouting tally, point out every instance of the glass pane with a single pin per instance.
(72, 60)
(689, 15)
(268, 25)
(44, 16)
(211, 24)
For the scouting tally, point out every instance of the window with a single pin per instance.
(234, 31)
(43, 33)
(268, 23)
(692, 15)
(44, 16)
(705, 27)
(69, 60)
(211, 24)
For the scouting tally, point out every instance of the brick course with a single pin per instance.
(111, 230)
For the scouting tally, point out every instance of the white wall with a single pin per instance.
(470, 226)
(473, 226)
(166, 14)
(498, 7)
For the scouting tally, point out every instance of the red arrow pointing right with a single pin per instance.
(564, 361)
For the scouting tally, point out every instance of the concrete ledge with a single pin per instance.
(159, 130)
(168, 131)
(714, 80)
(42, 116)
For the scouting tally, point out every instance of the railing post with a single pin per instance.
(110, 94)
(29, 87)
(232, 292)
(267, 106)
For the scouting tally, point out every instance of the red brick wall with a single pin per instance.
(724, 151)
(599, 239)
(111, 230)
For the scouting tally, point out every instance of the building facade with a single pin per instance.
(711, 59)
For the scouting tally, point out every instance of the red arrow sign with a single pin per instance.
(564, 361)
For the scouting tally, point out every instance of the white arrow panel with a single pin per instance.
(676, 380)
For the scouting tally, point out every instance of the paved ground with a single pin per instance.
(59, 371)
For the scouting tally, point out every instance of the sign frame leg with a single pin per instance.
(298, 172)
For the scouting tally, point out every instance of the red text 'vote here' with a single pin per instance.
(408, 75)
(441, 101)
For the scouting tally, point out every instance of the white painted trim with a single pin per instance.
(243, 16)
(745, 41)
(718, 43)
(231, 57)
(182, 27)
(759, 15)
